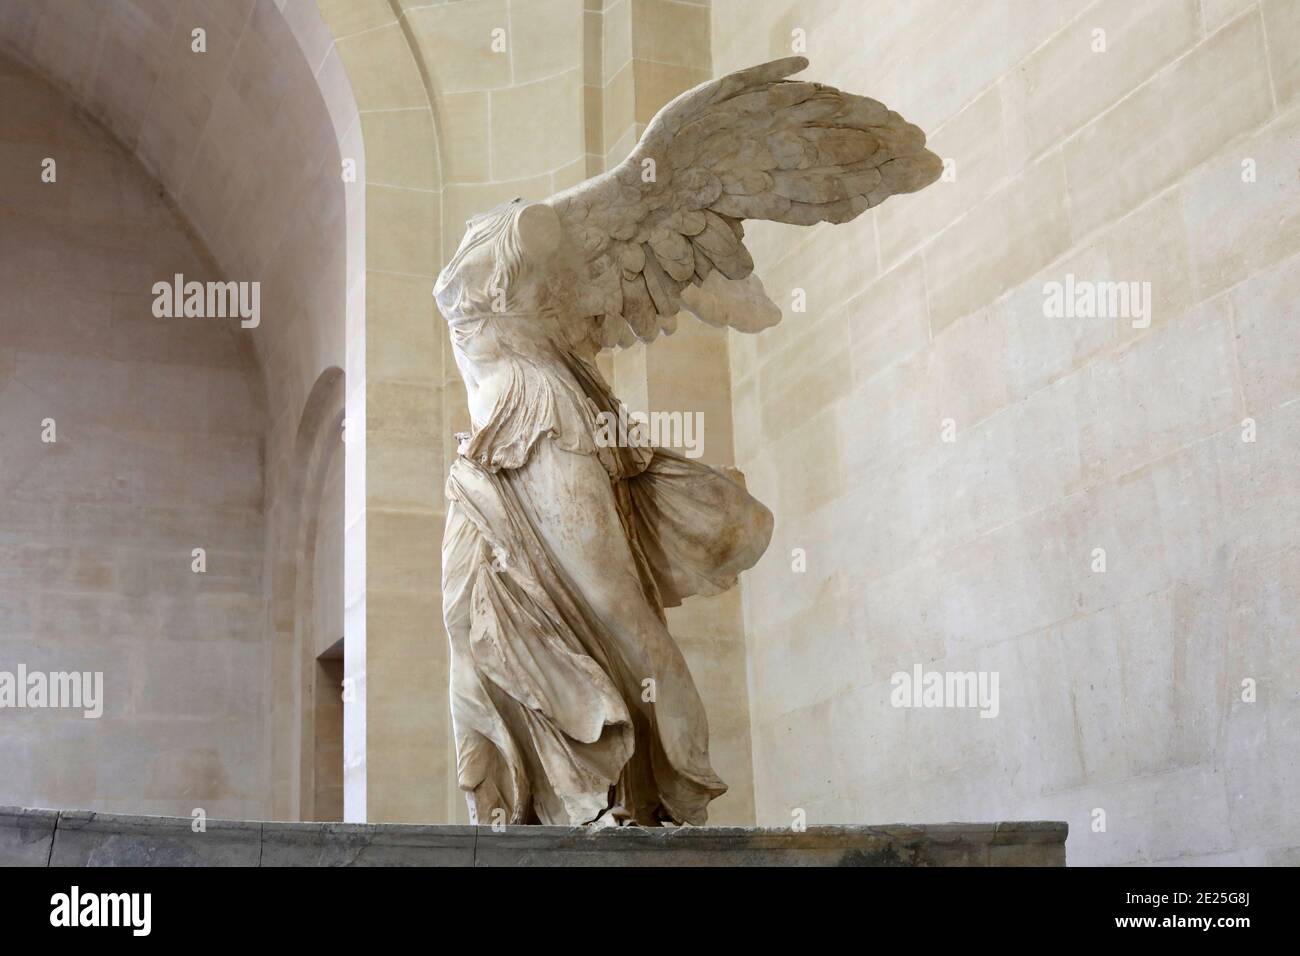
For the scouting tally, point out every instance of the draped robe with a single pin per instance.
(568, 694)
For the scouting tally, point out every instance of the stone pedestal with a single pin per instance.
(82, 838)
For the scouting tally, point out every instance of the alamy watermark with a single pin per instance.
(682, 431)
(921, 688)
(1086, 299)
(208, 300)
(74, 908)
(62, 690)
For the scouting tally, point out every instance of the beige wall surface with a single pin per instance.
(946, 461)
(240, 114)
(1120, 140)
(157, 450)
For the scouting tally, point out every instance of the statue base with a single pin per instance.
(82, 838)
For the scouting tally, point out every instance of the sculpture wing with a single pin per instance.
(662, 231)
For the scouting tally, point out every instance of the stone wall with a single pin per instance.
(158, 444)
(241, 115)
(1160, 150)
(1119, 140)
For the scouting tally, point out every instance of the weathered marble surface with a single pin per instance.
(85, 838)
(364, 844)
(564, 545)
(26, 836)
(82, 838)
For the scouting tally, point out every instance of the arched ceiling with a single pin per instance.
(246, 136)
(239, 134)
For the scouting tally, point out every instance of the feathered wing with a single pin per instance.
(662, 231)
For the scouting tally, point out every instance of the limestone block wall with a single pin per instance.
(1147, 141)
(243, 116)
(393, 766)
(946, 456)
(157, 429)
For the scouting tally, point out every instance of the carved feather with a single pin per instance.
(751, 145)
(638, 308)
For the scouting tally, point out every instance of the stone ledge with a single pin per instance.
(26, 836)
(83, 838)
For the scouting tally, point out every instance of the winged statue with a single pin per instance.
(571, 702)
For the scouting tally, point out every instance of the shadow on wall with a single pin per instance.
(243, 134)
(131, 485)
(307, 604)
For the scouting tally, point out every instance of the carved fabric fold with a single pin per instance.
(569, 695)
(529, 701)
(546, 690)
(697, 528)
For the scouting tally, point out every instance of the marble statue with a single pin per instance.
(570, 700)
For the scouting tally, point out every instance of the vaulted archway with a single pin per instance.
(236, 121)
